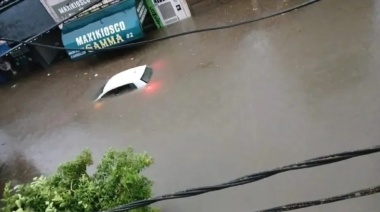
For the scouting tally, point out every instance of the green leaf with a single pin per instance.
(57, 198)
(18, 203)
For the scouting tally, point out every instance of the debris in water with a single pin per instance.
(96, 75)
(48, 74)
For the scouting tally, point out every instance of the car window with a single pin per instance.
(147, 75)
(121, 90)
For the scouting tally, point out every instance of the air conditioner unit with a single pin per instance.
(166, 12)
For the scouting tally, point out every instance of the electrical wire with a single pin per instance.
(319, 161)
(299, 205)
(307, 3)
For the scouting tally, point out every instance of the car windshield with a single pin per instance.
(147, 75)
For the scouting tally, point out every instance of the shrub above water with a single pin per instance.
(117, 181)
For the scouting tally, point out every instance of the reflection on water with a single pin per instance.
(15, 168)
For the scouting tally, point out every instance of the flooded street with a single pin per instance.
(221, 104)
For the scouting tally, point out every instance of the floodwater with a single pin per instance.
(221, 105)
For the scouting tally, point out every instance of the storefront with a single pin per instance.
(105, 24)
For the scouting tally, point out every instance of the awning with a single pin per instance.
(115, 25)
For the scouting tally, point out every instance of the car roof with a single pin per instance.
(125, 77)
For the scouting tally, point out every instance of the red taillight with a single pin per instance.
(98, 105)
(152, 87)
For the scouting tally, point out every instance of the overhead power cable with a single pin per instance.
(307, 3)
(299, 205)
(319, 161)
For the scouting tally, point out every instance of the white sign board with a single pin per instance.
(62, 9)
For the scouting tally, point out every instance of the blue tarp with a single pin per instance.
(3, 47)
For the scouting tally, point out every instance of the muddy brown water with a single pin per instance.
(222, 104)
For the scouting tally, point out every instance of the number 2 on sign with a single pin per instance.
(130, 35)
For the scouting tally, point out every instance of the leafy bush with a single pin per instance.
(116, 181)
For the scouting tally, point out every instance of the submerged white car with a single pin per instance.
(126, 81)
